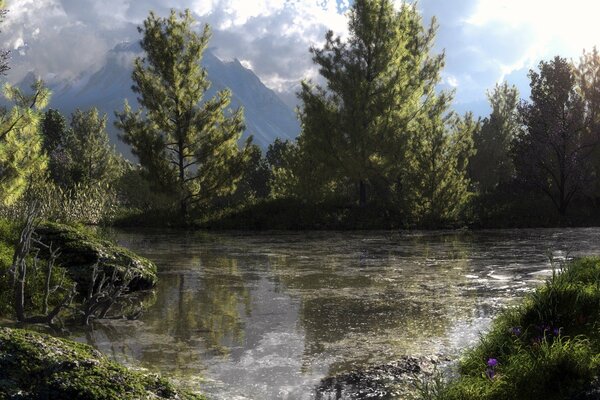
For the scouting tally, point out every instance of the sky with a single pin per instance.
(485, 41)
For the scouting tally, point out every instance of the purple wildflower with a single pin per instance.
(492, 362)
(556, 331)
(516, 330)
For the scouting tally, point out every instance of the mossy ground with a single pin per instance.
(37, 366)
(547, 348)
(80, 250)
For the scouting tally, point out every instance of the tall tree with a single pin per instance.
(21, 144)
(553, 153)
(186, 144)
(492, 164)
(89, 159)
(380, 82)
(54, 130)
(587, 74)
(439, 183)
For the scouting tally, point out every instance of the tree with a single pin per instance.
(55, 131)
(439, 182)
(587, 74)
(553, 153)
(186, 144)
(492, 164)
(90, 160)
(380, 87)
(21, 151)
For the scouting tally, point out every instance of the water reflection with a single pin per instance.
(266, 316)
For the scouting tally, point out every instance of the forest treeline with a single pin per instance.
(380, 145)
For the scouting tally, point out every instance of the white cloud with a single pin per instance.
(485, 40)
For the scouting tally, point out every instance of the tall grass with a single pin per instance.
(546, 348)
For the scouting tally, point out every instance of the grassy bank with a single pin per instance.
(547, 348)
(36, 366)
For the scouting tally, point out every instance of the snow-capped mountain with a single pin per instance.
(267, 116)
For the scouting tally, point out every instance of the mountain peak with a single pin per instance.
(267, 117)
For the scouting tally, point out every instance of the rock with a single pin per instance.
(387, 381)
(79, 251)
(37, 366)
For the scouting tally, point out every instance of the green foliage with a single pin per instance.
(54, 129)
(35, 279)
(254, 183)
(547, 348)
(21, 151)
(89, 159)
(79, 204)
(439, 184)
(8, 237)
(187, 148)
(553, 154)
(380, 125)
(492, 164)
(136, 193)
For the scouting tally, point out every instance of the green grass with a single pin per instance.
(547, 348)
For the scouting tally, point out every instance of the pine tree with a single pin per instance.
(380, 82)
(492, 165)
(438, 182)
(21, 144)
(186, 144)
(89, 159)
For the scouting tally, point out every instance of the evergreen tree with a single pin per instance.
(186, 144)
(439, 183)
(55, 131)
(89, 159)
(553, 154)
(21, 144)
(492, 165)
(380, 83)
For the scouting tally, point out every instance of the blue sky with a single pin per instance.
(485, 41)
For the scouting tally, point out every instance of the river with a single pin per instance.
(268, 315)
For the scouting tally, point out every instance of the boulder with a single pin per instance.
(80, 251)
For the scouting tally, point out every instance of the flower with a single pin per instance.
(516, 330)
(556, 331)
(492, 362)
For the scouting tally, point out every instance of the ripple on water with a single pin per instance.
(267, 316)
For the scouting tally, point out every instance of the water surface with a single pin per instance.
(266, 316)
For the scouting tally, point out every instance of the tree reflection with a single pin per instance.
(377, 301)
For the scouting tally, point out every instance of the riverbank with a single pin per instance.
(546, 348)
(297, 215)
(37, 366)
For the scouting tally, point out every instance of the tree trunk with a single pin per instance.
(362, 201)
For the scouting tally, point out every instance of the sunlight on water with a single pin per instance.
(267, 316)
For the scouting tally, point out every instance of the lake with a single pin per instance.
(268, 315)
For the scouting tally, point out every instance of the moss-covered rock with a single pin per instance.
(79, 251)
(36, 366)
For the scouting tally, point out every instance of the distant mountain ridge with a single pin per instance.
(267, 116)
